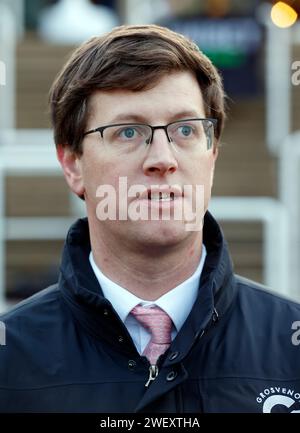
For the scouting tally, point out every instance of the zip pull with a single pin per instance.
(215, 316)
(153, 373)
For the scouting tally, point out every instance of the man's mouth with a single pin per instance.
(161, 196)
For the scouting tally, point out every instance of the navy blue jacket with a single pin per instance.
(68, 351)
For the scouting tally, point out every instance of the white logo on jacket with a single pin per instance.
(279, 399)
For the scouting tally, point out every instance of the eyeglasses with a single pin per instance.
(182, 134)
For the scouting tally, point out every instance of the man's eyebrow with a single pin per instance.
(133, 117)
(128, 117)
(185, 114)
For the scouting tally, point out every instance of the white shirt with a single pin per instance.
(177, 303)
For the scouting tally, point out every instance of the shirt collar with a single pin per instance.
(177, 303)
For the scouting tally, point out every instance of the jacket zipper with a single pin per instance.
(153, 373)
(153, 369)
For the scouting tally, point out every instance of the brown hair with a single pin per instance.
(133, 58)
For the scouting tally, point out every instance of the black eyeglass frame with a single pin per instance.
(153, 128)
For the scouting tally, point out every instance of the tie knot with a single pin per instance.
(157, 321)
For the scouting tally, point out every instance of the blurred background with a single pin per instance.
(255, 45)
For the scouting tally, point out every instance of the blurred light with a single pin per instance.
(283, 15)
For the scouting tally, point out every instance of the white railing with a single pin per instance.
(17, 8)
(289, 191)
(274, 218)
(34, 157)
(7, 57)
(278, 59)
(278, 86)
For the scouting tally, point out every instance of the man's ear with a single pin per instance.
(72, 168)
(215, 156)
(216, 151)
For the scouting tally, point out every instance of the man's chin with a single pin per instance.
(161, 234)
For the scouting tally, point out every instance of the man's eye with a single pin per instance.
(185, 130)
(128, 133)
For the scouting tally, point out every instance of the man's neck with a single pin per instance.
(145, 273)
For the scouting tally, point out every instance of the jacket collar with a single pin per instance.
(81, 291)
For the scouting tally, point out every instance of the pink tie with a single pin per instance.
(159, 323)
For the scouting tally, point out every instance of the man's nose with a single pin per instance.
(160, 158)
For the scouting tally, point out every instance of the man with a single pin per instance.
(147, 315)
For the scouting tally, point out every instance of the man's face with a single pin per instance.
(175, 97)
